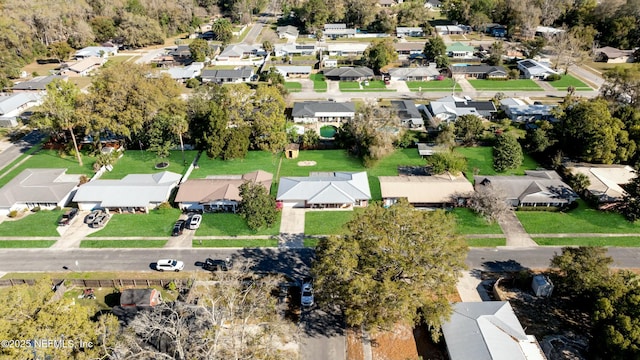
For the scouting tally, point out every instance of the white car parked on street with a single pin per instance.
(169, 265)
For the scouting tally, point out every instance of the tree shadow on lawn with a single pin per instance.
(296, 263)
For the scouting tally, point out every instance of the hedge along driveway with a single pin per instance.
(41, 223)
(578, 221)
(144, 162)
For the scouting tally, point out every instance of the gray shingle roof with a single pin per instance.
(37, 83)
(332, 188)
(15, 101)
(406, 110)
(243, 72)
(349, 72)
(477, 69)
(37, 186)
(534, 187)
(134, 190)
(310, 108)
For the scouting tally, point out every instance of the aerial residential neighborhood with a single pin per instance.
(340, 180)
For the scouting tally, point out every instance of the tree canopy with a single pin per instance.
(435, 50)
(392, 264)
(379, 54)
(469, 128)
(507, 152)
(258, 208)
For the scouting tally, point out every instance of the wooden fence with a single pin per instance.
(112, 283)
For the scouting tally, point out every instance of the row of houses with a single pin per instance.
(139, 193)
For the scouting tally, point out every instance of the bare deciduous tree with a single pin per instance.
(489, 202)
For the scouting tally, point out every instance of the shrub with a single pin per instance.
(84, 179)
(554, 77)
(13, 213)
(539, 208)
(36, 209)
(164, 206)
(172, 286)
(192, 83)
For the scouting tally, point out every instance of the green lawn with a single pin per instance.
(235, 243)
(41, 223)
(255, 160)
(155, 223)
(492, 242)
(23, 244)
(319, 83)
(632, 241)
(480, 162)
(581, 220)
(228, 224)
(354, 86)
(114, 60)
(469, 222)
(327, 222)
(293, 86)
(520, 84)
(101, 244)
(568, 80)
(143, 162)
(44, 159)
(311, 242)
(434, 85)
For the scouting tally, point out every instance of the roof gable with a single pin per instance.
(38, 186)
(338, 187)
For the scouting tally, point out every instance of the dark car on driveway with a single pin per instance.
(216, 265)
(178, 228)
(67, 217)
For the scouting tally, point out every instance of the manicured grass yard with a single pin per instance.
(235, 243)
(632, 241)
(568, 80)
(480, 162)
(41, 223)
(45, 159)
(103, 244)
(319, 83)
(23, 244)
(143, 162)
(327, 222)
(434, 85)
(491, 242)
(519, 84)
(581, 220)
(255, 160)
(354, 86)
(114, 60)
(228, 224)
(155, 223)
(469, 222)
(293, 86)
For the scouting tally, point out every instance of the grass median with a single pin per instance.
(234, 243)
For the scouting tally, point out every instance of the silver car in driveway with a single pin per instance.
(306, 296)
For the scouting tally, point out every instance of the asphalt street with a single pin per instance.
(293, 262)
(19, 147)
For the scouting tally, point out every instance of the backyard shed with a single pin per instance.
(292, 151)
(542, 286)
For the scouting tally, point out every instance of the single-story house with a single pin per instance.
(458, 50)
(140, 298)
(547, 31)
(452, 29)
(612, 55)
(84, 66)
(338, 30)
(295, 50)
(216, 193)
(307, 112)
(235, 76)
(488, 330)
(535, 188)
(237, 52)
(38, 83)
(423, 73)
(349, 73)
(449, 108)
(408, 48)
(181, 52)
(408, 113)
(424, 191)
(532, 69)
(133, 193)
(479, 71)
(184, 73)
(96, 51)
(13, 105)
(325, 190)
(433, 4)
(605, 181)
(287, 32)
(329, 63)
(347, 49)
(518, 110)
(293, 71)
(409, 31)
(43, 188)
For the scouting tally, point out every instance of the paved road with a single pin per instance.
(323, 336)
(587, 75)
(19, 147)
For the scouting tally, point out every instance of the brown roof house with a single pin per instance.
(140, 298)
(43, 188)
(605, 181)
(535, 188)
(219, 192)
(612, 55)
(424, 191)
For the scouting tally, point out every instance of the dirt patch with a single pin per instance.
(397, 344)
(354, 345)
(307, 163)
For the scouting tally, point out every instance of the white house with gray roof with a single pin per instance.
(449, 108)
(97, 51)
(224, 76)
(423, 73)
(532, 69)
(325, 190)
(307, 112)
(133, 193)
(488, 330)
(12, 105)
(288, 32)
(184, 73)
(38, 83)
(43, 188)
(408, 113)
